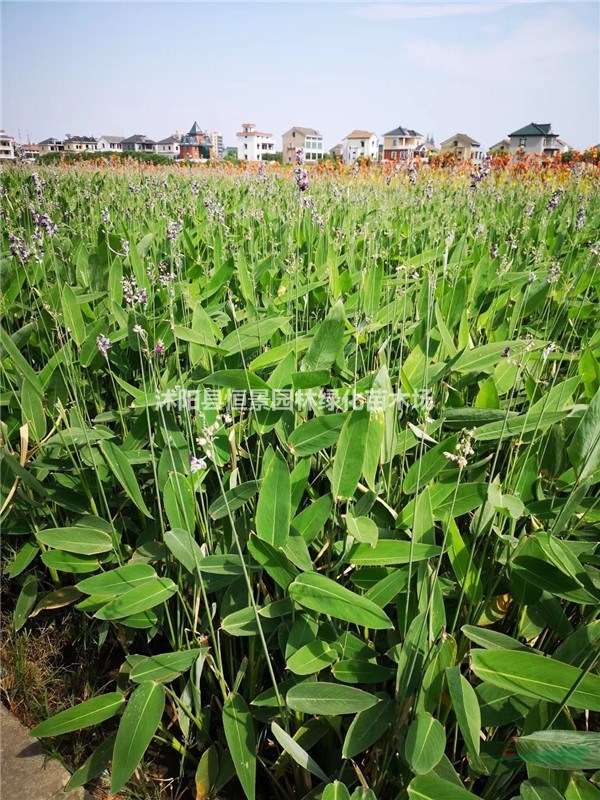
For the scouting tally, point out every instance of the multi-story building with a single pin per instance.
(401, 143)
(110, 144)
(51, 146)
(195, 145)
(254, 145)
(308, 139)
(138, 143)
(360, 144)
(168, 147)
(79, 144)
(537, 138)
(217, 146)
(462, 147)
(7, 147)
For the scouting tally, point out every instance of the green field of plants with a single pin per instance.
(317, 472)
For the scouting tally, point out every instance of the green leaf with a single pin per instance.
(311, 521)
(123, 472)
(32, 411)
(78, 539)
(273, 561)
(316, 434)
(207, 773)
(72, 315)
(69, 562)
(335, 791)
(580, 789)
(136, 729)
(166, 666)
(425, 743)
(349, 454)
(327, 342)
(463, 563)
(428, 465)
(233, 499)
(117, 581)
(311, 658)
(319, 593)
(239, 733)
(10, 350)
(23, 559)
(466, 709)
(180, 504)
(185, 549)
(354, 670)
(297, 752)
(569, 750)
(537, 676)
(150, 594)
(538, 789)
(584, 450)
(273, 510)
(388, 552)
(25, 602)
(328, 698)
(430, 787)
(363, 529)
(368, 726)
(90, 712)
(92, 767)
(480, 359)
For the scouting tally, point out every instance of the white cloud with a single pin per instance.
(425, 10)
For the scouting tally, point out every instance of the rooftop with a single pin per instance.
(138, 138)
(535, 129)
(461, 137)
(303, 131)
(400, 131)
(360, 135)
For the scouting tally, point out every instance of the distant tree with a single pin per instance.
(278, 157)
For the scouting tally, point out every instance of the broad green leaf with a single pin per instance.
(368, 726)
(482, 358)
(538, 789)
(93, 766)
(431, 787)
(179, 502)
(494, 640)
(580, 789)
(538, 676)
(328, 698)
(319, 593)
(123, 472)
(117, 581)
(69, 562)
(8, 349)
(463, 563)
(584, 449)
(23, 559)
(137, 727)
(273, 509)
(311, 521)
(185, 549)
(90, 712)
(363, 529)
(207, 773)
(78, 539)
(273, 561)
(349, 455)
(428, 465)
(388, 552)
(316, 434)
(33, 413)
(25, 602)
(239, 732)
(141, 598)
(335, 791)
(425, 743)
(569, 750)
(354, 670)
(297, 752)
(72, 315)
(466, 710)
(327, 342)
(311, 658)
(233, 499)
(164, 667)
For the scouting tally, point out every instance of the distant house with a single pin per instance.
(308, 139)
(168, 147)
(401, 143)
(427, 148)
(216, 139)
(111, 144)
(28, 152)
(360, 144)
(337, 151)
(537, 138)
(195, 145)
(138, 143)
(51, 146)
(78, 144)
(503, 144)
(462, 147)
(7, 147)
(254, 145)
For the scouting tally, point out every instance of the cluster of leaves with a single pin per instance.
(348, 596)
(75, 158)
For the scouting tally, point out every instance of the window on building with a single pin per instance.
(523, 141)
(394, 154)
(394, 142)
(456, 143)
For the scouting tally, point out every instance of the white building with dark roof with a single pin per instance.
(110, 144)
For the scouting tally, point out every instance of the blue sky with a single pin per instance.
(482, 68)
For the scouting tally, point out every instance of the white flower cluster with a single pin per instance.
(464, 449)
